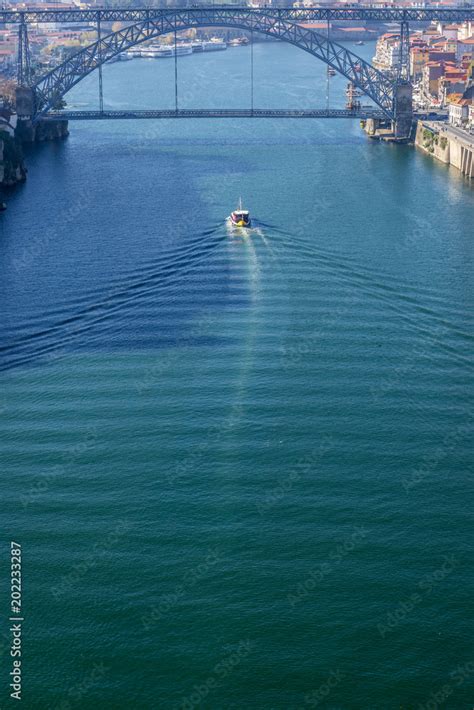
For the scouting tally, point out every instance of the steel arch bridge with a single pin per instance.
(50, 88)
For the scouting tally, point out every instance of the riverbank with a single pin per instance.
(13, 169)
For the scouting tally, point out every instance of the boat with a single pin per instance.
(182, 49)
(164, 51)
(331, 71)
(160, 51)
(238, 41)
(197, 46)
(360, 43)
(353, 95)
(240, 217)
(213, 45)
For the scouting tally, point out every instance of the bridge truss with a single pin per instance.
(280, 23)
(307, 14)
(50, 88)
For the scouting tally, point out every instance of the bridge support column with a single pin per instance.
(23, 60)
(404, 65)
(26, 130)
(25, 102)
(403, 110)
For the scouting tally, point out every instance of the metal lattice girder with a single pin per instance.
(310, 14)
(404, 65)
(215, 113)
(378, 87)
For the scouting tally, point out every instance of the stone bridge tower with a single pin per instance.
(403, 109)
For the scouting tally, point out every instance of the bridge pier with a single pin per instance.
(27, 130)
(403, 110)
(25, 102)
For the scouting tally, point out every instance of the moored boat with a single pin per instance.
(182, 49)
(213, 45)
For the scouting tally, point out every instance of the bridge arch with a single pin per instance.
(51, 88)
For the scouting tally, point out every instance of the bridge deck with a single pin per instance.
(215, 113)
(309, 14)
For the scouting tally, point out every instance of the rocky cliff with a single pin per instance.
(12, 168)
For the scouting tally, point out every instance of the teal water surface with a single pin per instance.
(239, 466)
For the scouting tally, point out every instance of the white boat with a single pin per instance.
(164, 51)
(238, 41)
(214, 45)
(182, 49)
(197, 46)
(240, 217)
(150, 53)
(161, 51)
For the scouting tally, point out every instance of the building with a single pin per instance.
(432, 73)
(387, 52)
(470, 117)
(459, 110)
(439, 55)
(466, 30)
(419, 56)
(448, 31)
(449, 86)
(465, 48)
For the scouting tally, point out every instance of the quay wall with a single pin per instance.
(436, 140)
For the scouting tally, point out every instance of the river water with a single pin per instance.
(238, 467)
